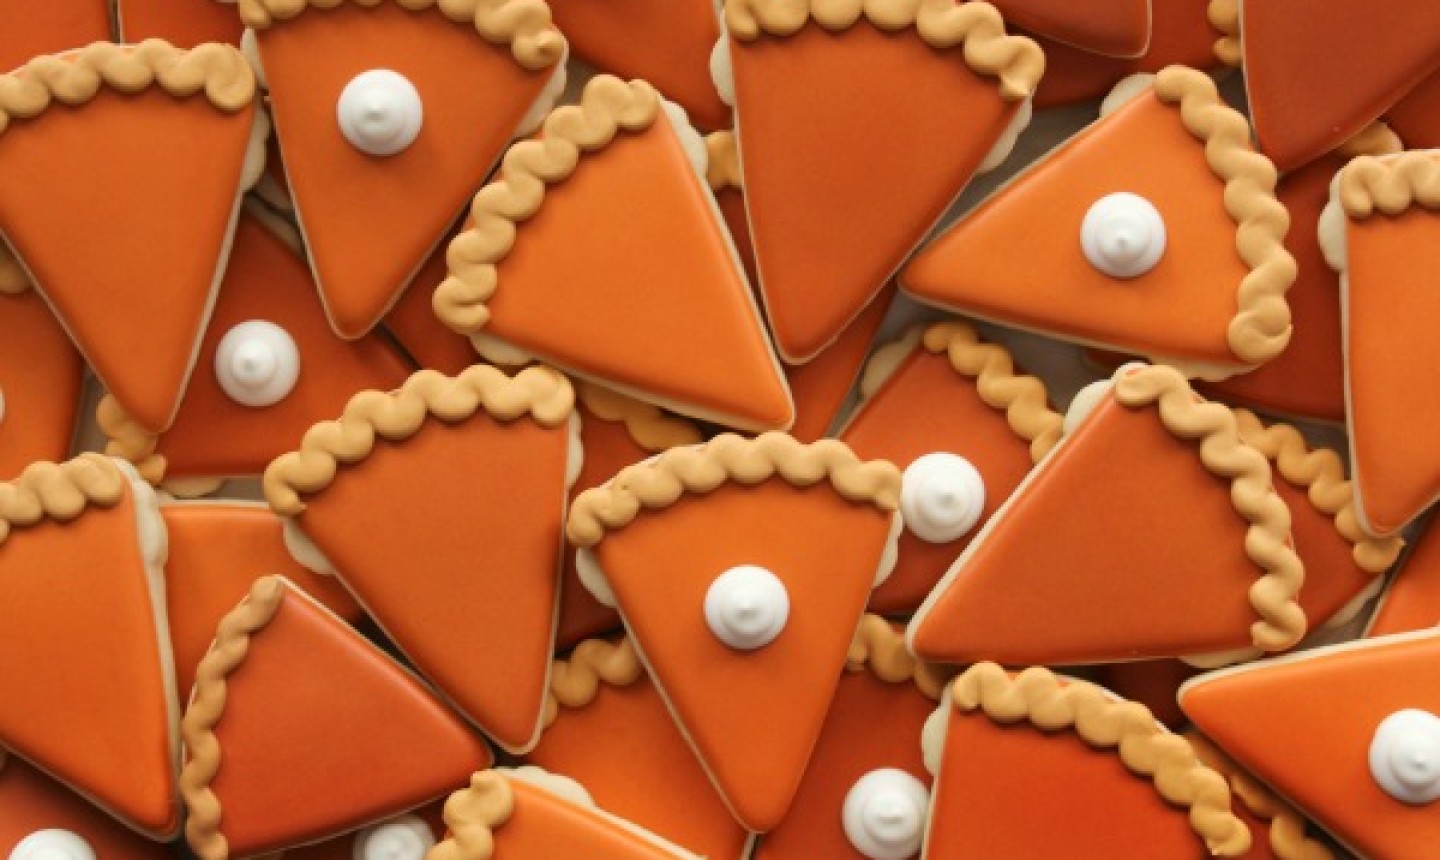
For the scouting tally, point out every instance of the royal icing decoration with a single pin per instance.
(1123, 235)
(884, 814)
(1405, 756)
(941, 497)
(257, 363)
(53, 845)
(380, 112)
(746, 607)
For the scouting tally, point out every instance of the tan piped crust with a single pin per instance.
(1321, 473)
(537, 392)
(976, 27)
(575, 682)
(59, 491)
(1021, 397)
(879, 647)
(1051, 704)
(649, 426)
(1224, 16)
(472, 815)
(207, 705)
(1260, 329)
(524, 25)
(1391, 185)
(219, 71)
(607, 107)
(1267, 542)
(661, 481)
(722, 171)
(1287, 828)
(13, 279)
(126, 439)
(1377, 138)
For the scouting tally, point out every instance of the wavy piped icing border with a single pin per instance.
(722, 170)
(1261, 327)
(472, 815)
(879, 647)
(536, 392)
(649, 426)
(1052, 704)
(1390, 185)
(127, 439)
(575, 681)
(1377, 138)
(525, 25)
(1321, 473)
(59, 491)
(976, 27)
(1267, 540)
(663, 480)
(607, 107)
(207, 706)
(1224, 16)
(74, 78)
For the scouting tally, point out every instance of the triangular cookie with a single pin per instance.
(1114, 28)
(426, 94)
(1155, 232)
(407, 836)
(32, 29)
(598, 250)
(183, 23)
(421, 334)
(142, 169)
(1183, 548)
(1416, 118)
(40, 383)
(39, 813)
(81, 549)
(1411, 601)
(387, 494)
(1321, 729)
(838, 117)
(300, 729)
(740, 568)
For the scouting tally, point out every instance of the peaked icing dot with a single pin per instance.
(380, 112)
(1405, 756)
(1123, 235)
(54, 844)
(257, 363)
(884, 814)
(941, 497)
(746, 607)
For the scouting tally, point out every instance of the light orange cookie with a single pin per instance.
(840, 112)
(609, 728)
(38, 816)
(1026, 762)
(389, 116)
(1115, 28)
(32, 29)
(528, 814)
(384, 497)
(413, 324)
(86, 679)
(41, 380)
(184, 23)
(269, 367)
(865, 793)
(1416, 118)
(1162, 537)
(1155, 231)
(1363, 714)
(142, 169)
(289, 690)
(1411, 601)
(598, 249)
(740, 568)
(615, 432)
(1379, 232)
(916, 393)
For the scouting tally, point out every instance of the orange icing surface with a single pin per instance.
(75, 595)
(374, 741)
(421, 334)
(213, 435)
(1416, 118)
(371, 222)
(732, 206)
(183, 23)
(1412, 599)
(1392, 356)
(1117, 28)
(1156, 566)
(821, 386)
(752, 716)
(474, 609)
(343, 847)
(543, 826)
(916, 412)
(145, 185)
(29, 802)
(217, 551)
(1278, 719)
(1152, 683)
(32, 29)
(40, 381)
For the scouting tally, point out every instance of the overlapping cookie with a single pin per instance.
(414, 326)
(41, 377)
(184, 23)
(33, 29)
(41, 819)
(1411, 600)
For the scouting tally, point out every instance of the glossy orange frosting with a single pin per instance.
(40, 383)
(30, 802)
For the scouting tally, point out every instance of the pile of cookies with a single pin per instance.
(541, 429)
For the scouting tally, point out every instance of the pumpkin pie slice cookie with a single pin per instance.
(866, 791)
(142, 165)
(608, 727)
(269, 367)
(838, 110)
(473, 603)
(1183, 547)
(39, 818)
(1026, 762)
(407, 836)
(421, 334)
(183, 23)
(81, 550)
(32, 29)
(1416, 118)
(288, 688)
(1411, 601)
(41, 381)
(1153, 683)
(1114, 28)
(1379, 232)
(598, 249)
(740, 568)
(389, 116)
(917, 391)
(1365, 713)
(1155, 231)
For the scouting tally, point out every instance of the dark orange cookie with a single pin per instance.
(32, 29)
(1115, 28)
(39, 816)
(185, 23)
(41, 379)
(1416, 118)
(407, 836)
(422, 335)
(1412, 599)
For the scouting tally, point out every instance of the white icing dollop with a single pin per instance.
(257, 363)
(1405, 756)
(1123, 235)
(746, 607)
(404, 837)
(941, 497)
(54, 844)
(884, 814)
(722, 74)
(380, 112)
